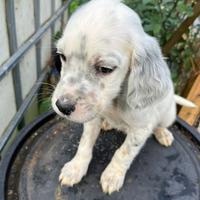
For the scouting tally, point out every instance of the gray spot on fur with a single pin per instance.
(78, 56)
(82, 90)
(82, 54)
(73, 80)
(102, 85)
(120, 100)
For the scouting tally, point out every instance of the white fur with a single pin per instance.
(137, 97)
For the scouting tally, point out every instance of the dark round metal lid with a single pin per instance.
(158, 173)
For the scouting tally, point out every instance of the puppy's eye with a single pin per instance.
(62, 56)
(104, 70)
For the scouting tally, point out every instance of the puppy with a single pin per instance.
(113, 74)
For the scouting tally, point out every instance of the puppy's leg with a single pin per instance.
(113, 176)
(164, 136)
(74, 170)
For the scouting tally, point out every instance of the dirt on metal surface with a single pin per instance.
(158, 173)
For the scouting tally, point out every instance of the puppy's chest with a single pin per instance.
(115, 118)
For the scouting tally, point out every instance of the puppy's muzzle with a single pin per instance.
(65, 106)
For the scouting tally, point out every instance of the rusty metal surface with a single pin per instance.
(158, 173)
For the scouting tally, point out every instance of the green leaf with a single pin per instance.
(156, 28)
(182, 7)
(147, 1)
(189, 11)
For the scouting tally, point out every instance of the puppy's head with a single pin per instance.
(94, 54)
(103, 43)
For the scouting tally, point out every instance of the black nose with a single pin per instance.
(65, 107)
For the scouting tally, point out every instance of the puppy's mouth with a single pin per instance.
(82, 114)
(79, 112)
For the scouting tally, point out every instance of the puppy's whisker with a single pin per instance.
(44, 83)
(47, 90)
(47, 86)
(45, 95)
(44, 101)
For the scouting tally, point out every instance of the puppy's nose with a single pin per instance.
(65, 107)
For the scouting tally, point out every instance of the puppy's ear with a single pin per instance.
(149, 78)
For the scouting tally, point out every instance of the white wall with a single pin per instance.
(7, 102)
(4, 49)
(46, 48)
(58, 4)
(24, 18)
(45, 7)
(28, 71)
(65, 18)
(25, 28)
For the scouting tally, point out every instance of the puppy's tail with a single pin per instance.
(184, 102)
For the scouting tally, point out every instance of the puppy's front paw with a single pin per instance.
(72, 172)
(112, 179)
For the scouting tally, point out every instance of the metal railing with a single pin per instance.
(12, 64)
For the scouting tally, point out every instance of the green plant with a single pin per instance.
(57, 36)
(75, 4)
(161, 18)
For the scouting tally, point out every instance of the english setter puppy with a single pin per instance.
(113, 73)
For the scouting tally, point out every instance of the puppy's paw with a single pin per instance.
(112, 179)
(164, 136)
(72, 172)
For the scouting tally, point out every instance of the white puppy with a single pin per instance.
(112, 71)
